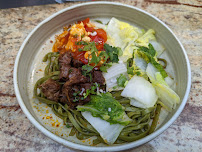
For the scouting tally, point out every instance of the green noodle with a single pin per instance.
(137, 129)
(155, 120)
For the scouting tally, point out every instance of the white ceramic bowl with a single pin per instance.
(100, 10)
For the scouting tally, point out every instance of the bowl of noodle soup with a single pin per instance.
(29, 68)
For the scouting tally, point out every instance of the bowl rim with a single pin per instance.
(91, 148)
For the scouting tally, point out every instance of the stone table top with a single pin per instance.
(183, 17)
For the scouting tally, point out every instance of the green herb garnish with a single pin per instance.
(91, 91)
(149, 55)
(67, 125)
(151, 51)
(90, 47)
(86, 69)
(79, 49)
(95, 58)
(103, 68)
(99, 106)
(113, 52)
(75, 36)
(110, 52)
(81, 43)
(121, 80)
(70, 71)
(74, 94)
(115, 87)
(76, 99)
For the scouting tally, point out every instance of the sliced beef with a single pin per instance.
(98, 77)
(69, 98)
(86, 85)
(65, 58)
(63, 97)
(70, 90)
(66, 96)
(64, 72)
(71, 75)
(75, 77)
(51, 89)
(77, 63)
(75, 83)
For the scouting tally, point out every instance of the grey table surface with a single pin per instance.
(184, 17)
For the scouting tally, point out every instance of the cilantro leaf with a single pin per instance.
(85, 95)
(151, 51)
(90, 47)
(81, 43)
(121, 80)
(103, 55)
(138, 73)
(103, 68)
(115, 87)
(76, 99)
(91, 91)
(68, 126)
(108, 64)
(130, 70)
(159, 67)
(94, 59)
(87, 68)
(120, 52)
(74, 94)
(113, 52)
(79, 49)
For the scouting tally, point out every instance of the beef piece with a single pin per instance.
(71, 75)
(77, 63)
(64, 72)
(65, 58)
(68, 97)
(63, 98)
(89, 79)
(69, 90)
(51, 89)
(86, 86)
(98, 77)
(75, 77)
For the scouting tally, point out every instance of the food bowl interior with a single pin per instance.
(102, 11)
